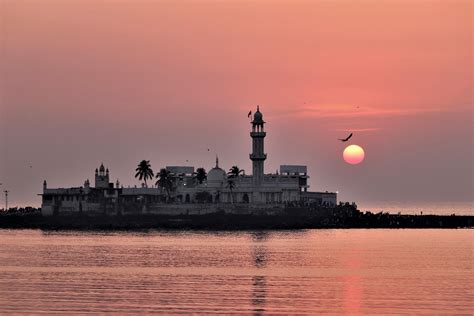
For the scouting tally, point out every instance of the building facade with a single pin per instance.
(286, 187)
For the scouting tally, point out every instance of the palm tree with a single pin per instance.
(231, 186)
(200, 175)
(144, 171)
(165, 181)
(235, 172)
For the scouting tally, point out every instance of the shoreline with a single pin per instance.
(223, 221)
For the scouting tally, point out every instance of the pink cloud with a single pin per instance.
(359, 130)
(339, 110)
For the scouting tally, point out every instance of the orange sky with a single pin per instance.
(120, 81)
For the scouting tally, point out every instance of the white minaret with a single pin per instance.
(258, 156)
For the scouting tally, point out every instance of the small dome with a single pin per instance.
(216, 175)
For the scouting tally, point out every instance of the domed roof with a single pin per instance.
(258, 117)
(216, 176)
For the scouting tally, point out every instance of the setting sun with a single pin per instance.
(353, 154)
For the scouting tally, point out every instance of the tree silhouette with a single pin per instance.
(144, 171)
(200, 175)
(165, 181)
(231, 186)
(235, 172)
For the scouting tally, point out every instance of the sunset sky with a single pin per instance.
(85, 82)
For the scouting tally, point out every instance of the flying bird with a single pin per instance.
(345, 139)
(208, 149)
(250, 113)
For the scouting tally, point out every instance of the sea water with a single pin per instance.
(375, 271)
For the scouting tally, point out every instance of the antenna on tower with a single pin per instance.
(6, 200)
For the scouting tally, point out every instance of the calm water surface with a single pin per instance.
(306, 272)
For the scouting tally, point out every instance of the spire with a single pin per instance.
(217, 161)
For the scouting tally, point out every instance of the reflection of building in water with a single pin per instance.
(259, 282)
(259, 255)
(259, 250)
(288, 186)
(259, 289)
(260, 236)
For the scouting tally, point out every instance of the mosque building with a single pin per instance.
(259, 190)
